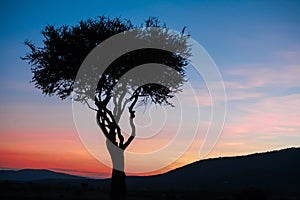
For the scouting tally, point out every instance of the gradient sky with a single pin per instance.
(255, 44)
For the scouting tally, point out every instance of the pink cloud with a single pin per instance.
(261, 76)
(276, 116)
(242, 94)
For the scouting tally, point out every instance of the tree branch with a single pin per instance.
(131, 111)
(124, 105)
(117, 100)
(132, 136)
(90, 107)
(115, 111)
(132, 116)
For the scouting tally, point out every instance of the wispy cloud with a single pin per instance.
(254, 76)
(258, 116)
(276, 116)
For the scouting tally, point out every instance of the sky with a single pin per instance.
(255, 45)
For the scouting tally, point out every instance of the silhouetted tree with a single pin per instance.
(56, 63)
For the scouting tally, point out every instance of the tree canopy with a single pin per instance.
(56, 63)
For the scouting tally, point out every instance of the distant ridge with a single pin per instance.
(287, 152)
(270, 171)
(35, 175)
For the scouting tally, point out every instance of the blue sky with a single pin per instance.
(231, 31)
(255, 44)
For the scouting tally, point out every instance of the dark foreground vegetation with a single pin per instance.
(96, 190)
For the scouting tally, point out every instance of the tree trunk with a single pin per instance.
(118, 178)
(118, 185)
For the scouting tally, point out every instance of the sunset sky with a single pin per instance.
(255, 45)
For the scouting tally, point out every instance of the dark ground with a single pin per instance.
(100, 190)
(93, 190)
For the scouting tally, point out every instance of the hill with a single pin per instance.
(35, 175)
(274, 173)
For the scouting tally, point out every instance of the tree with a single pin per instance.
(56, 63)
